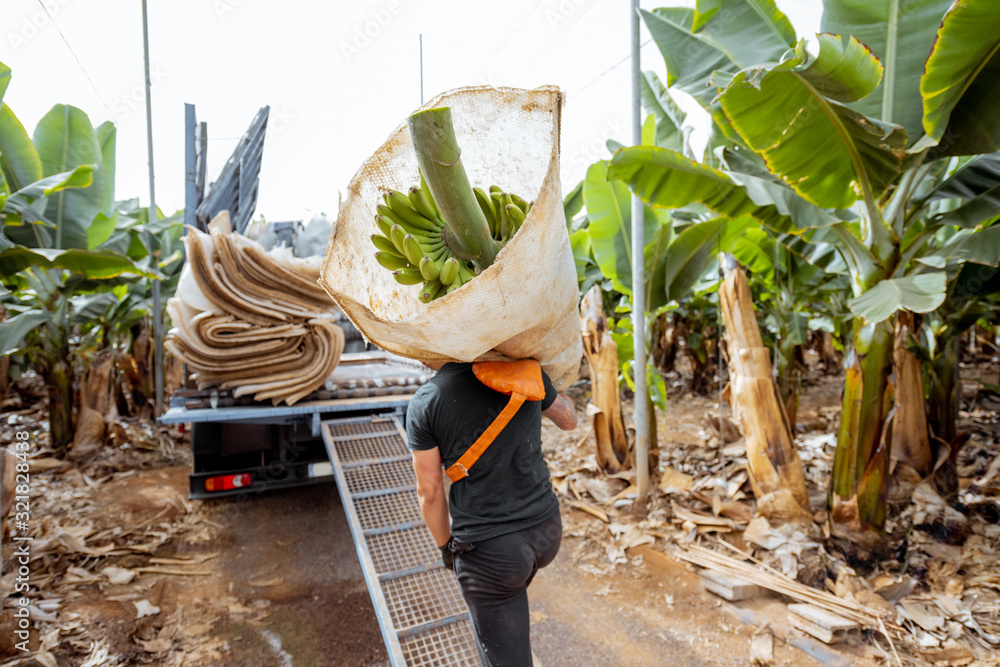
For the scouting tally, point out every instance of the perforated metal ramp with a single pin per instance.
(423, 619)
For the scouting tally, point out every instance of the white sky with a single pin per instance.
(335, 91)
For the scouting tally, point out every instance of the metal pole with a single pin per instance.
(157, 315)
(421, 69)
(638, 291)
(190, 166)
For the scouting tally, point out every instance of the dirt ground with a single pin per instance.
(273, 578)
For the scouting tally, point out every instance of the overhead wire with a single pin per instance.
(75, 57)
(604, 73)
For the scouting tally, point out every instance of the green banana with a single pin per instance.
(412, 240)
(401, 206)
(384, 244)
(396, 235)
(412, 249)
(431, 290)
(430, 197)
(449, 271)
(409, 276)
(486, 204)
(391, 261)
(466, 273)
(424, 204)
(384, 224)
(429, 269)
(516, 215)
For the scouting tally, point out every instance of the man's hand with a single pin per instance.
(562, 413)
(447, 555)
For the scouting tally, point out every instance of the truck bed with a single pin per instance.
(245, 445)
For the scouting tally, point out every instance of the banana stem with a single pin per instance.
(440, 161)
(861, 459)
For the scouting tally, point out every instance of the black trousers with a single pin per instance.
(494, 575)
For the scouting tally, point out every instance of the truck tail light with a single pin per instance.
(227, 482)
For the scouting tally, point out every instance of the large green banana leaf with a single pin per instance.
(961, 81)
(104, 223)
(655, 256)
(792, 115)
(755, 252)
(609, 210)
(4, 80)
(977, 184)
(65, 139)
(666, 179)
(973, 179)
(90, 265)
(920, 293)
(749, 32)
(23, 206)
(573, 204)
(980, 247)
(690, 251)
(19, 161)
(900, 34)
(13, 331)
(669, 117)
(107, 139)
(691, 59)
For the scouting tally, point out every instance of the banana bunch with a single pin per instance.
(504, 212)
(410, 241)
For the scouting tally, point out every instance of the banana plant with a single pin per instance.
(57, 208)
(797, 114)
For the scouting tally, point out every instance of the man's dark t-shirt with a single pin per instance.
(508, 489)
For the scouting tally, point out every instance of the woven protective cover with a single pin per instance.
(525, 305)
(252, 321)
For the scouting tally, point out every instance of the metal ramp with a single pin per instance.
(423, 619)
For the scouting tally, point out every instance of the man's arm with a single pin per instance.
(562, 413)
(430, 492)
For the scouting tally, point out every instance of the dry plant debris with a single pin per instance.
(938, 601)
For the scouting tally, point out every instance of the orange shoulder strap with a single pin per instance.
(521, 380)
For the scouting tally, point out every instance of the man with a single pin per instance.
(505, 521)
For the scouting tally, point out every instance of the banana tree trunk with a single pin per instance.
(943, 400)
(605, 404)
(790, 379)
(95, 397)
(944, 392)
(59, 378)
(440, 159)
(861, 461)
(774, 466)
(911, 444)
(664, 336)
